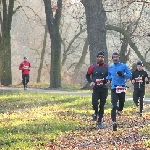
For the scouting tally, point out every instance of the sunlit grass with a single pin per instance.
(29, 120)
(33, 119)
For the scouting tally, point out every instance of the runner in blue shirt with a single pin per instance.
(117, 75)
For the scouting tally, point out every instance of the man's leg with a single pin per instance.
(114, 100)
(121, 97)
(142, 93)
(23, 81)
(103, 97)
(95, 104)
(136, 96)
(27, 79)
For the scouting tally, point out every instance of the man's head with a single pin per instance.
(139, 65)
(100, 57)
(115, 57)
(25, 58)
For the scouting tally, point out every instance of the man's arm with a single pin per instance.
(29, 66)
(20, 66)
(128, 74)
(109, 75)
(89, 73)
(88, 77)
(133, 78)
(146, 78)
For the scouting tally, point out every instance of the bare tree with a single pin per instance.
(53, 22)
(131, 43)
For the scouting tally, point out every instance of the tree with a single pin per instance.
(42, 54)
(5, 41)
(53, 16)
(131, 43)
(96, 29)
(131, 26)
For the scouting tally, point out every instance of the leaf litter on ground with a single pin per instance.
(129, 136)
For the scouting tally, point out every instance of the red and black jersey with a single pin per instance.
(97, 73)
(25, 67)
(139, 77)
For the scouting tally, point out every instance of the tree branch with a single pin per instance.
(70, 44)
(136, 23)
(58, 12)
(132, 45)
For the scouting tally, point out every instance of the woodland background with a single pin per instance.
(126, 23)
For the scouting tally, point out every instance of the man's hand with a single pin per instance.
(92, 84)
(133, 81)
(146, 79)
(108, 82)
(119, 73)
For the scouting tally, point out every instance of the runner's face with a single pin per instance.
(115, 58)
(100, 59)
(139, 67)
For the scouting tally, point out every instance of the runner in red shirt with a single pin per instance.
(96, 76)
(25, 67)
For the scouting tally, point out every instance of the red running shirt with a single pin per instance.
(25, 67)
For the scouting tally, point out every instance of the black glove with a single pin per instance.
(120, 73)
(147, 82)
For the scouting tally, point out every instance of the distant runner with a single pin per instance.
(139, 78)
(25, 67)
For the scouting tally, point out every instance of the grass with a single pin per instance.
(33, 119)
(30, 120)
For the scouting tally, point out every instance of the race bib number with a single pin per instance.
(139, 79)
(99, 81)
(25, 67)
(120, 89)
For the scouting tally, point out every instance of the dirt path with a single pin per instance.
(146, 99)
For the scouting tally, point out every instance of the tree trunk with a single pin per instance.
(96, 29)
(53, 28)
(80, 63)
(42, 55)
(124, 46)
(55, 71)
(6, 76)
(1, 48)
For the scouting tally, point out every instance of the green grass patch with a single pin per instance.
(30, 120)
(146, 132)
